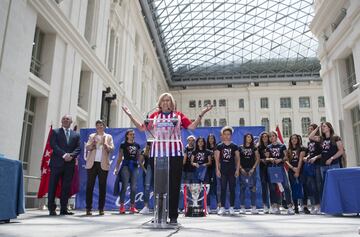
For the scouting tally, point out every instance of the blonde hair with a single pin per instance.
(161, 97)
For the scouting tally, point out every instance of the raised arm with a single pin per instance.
(138, 125)
(312, 135)
(194, 124)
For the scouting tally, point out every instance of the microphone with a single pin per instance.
(147, 120)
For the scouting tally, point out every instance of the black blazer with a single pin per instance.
(60, 147)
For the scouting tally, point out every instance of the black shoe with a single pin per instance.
(306, 210)
(296, 210)
(101, 212)
(173, 221)
(52, 213)
(66, 212)
(88, 212)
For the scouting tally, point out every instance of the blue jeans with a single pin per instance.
(324, 169)
(188, 177)
(126, 174)
(148, 183)
(213, 186)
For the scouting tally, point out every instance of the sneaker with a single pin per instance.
(242, 211)
(306, 210)
(221, 211)
(122, 208)
(296, 210)
(88, 212)
(254, 211)
(145, 210)
(133, 210)
(231, 211)
(314, 211)
(266, 209)
(275, 211)
(291, 211)
(101, 212)
(208, 210)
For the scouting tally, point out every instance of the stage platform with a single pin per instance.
(37, 223)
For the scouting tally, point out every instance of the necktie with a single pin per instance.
(67, 134)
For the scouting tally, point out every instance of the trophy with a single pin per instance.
(195, 210)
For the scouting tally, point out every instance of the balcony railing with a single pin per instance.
(35, 66)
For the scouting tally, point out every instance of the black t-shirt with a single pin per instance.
(277, 151)
(295, 156)
(329, 149)
(130, 150)
(247, 156)
(227, 155)
(201, 157)
(187, 166)
(262, 153)
(314, 149)
(213, 165)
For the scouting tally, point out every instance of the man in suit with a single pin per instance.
(66, 147)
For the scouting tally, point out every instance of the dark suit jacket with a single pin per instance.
(60, 147)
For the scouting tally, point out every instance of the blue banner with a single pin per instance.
(118, 134)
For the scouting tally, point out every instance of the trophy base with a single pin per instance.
(195, 212)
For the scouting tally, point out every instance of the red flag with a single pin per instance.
(279, 134)
(45, 169)
(45, 173)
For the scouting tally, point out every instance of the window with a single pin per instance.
(355, 115)
(215, 122)
(35, 65)
(222, 122)
(266, 123)
(241, 103)
(287, 127)
(349, 80)
(264, 103)
(222, 103)
(304, 102)
(90, 22)
(207, 102)
(199, 103)
(111, 51)
(241, 122)
(285, 102)
(214, 103)
(27, 129)
(305, 123)
(192, 104)
(207, 123)
(323, 119)
(321, 101)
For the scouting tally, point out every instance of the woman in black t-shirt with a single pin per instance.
(201, 157)
(312, 175)
(211, 145)
(129, 156)
(277, 157)
(249, 159)
(265, 184)
(188, 169)
(227, 160)
(295, 154)
(332, 147)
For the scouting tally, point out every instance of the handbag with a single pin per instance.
(275, 174)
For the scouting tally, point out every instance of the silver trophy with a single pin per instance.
(195, 193)
(194, 209)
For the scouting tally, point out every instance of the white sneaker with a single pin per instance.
(290, 211)
(231, 211)
(275, 210)
(221, 211)
(208, 210)
(145, 210)
(242, 211)
(266, 209)
(254, 210)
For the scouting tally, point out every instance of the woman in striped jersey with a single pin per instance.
(166, 111)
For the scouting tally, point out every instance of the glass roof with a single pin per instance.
(235, 37)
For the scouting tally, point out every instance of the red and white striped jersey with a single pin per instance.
(167, 136)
